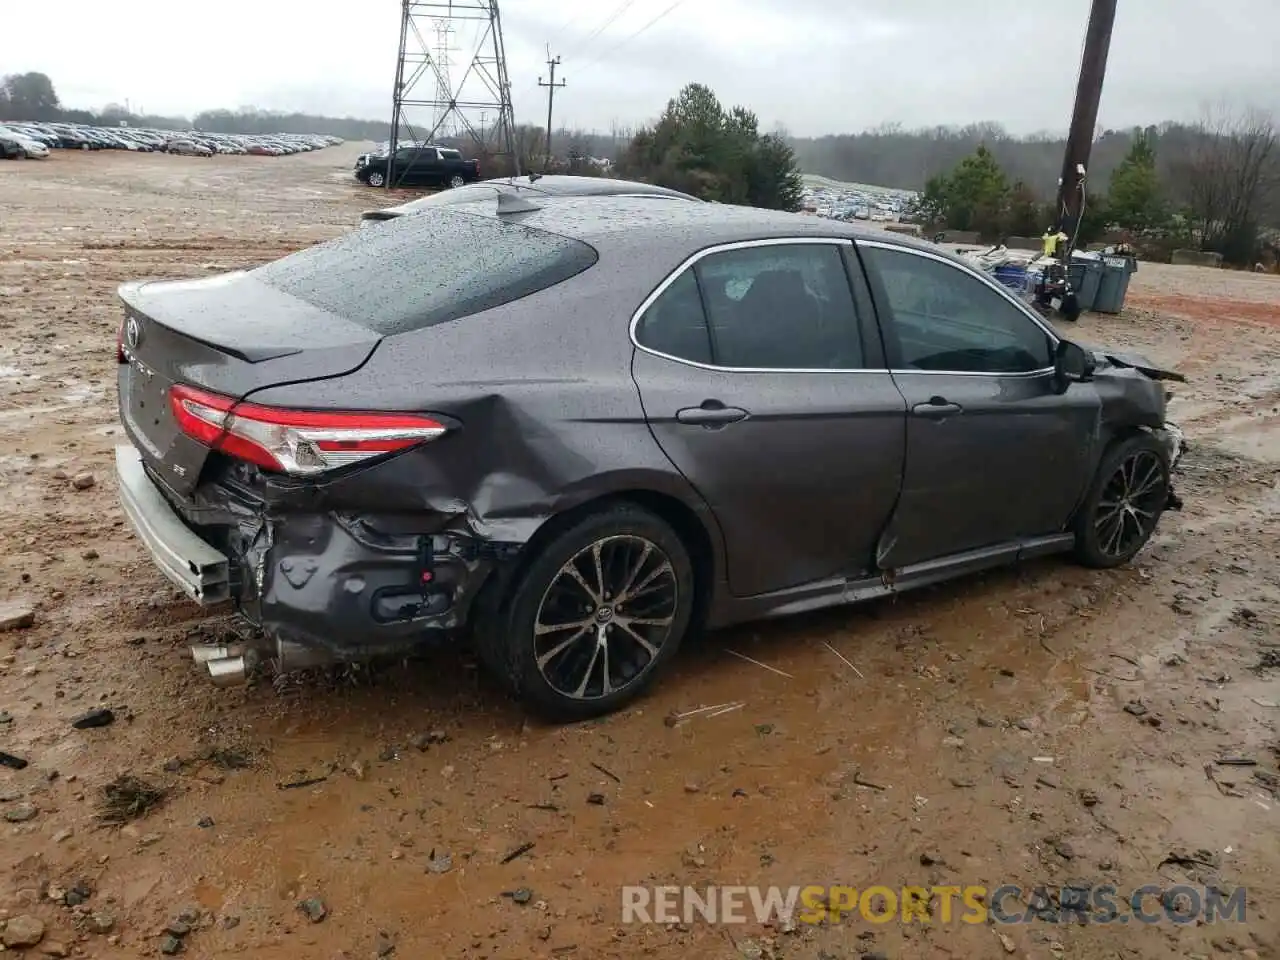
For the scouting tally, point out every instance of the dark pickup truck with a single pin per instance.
(419, 167)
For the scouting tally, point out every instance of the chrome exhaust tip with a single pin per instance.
(227, 671)
(205, 652)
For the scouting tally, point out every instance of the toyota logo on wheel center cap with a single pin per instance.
(132, 333)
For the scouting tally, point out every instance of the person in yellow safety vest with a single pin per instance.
(1051, 241)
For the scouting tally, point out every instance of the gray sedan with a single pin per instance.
(574, 430)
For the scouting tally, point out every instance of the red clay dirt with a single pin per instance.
(976, 735)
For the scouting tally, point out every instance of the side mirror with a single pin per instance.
(1072, 364)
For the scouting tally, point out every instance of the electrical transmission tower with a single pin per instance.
(445, 125)
(454, 101)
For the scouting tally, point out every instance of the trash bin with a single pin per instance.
(1085, 274)
(1115, 283)
(1012, 275)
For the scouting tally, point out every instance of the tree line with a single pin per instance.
(32, 96)
(1213, 187)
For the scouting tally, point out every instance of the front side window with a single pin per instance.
(769, 307)
(945, 319)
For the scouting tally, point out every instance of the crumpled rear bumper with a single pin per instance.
(332, 583)
(199, 570)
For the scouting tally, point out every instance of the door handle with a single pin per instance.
(937, 407)
(712, 413)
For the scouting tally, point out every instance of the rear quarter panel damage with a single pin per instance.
(527, 448)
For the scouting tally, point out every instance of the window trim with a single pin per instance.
(1054, 338)
(840, 243)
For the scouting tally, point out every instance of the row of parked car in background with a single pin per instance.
(32, 140)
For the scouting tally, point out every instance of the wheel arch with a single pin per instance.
(693, 523)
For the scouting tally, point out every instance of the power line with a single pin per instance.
(627, 39)
(618, 11)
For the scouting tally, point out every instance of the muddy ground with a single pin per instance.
(979, 734)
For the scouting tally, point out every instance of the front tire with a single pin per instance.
(375, 180)
(1124, 503)
(591, 618)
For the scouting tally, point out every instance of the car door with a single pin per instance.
(995, 452)
(763, 389)
(406, 169)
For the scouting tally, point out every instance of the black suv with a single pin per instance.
(419, 167)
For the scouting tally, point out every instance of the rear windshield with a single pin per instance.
(414, 272)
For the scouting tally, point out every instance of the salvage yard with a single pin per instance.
(1029, 727)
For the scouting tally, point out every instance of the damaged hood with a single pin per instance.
(1104, 357)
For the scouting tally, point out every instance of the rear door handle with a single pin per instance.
(712, 413)
(937, 407)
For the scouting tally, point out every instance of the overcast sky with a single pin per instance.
(815, 66)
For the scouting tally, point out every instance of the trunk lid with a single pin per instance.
(230, 334)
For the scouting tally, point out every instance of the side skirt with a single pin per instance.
(838, 591)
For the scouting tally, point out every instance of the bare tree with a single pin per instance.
(1228, 177)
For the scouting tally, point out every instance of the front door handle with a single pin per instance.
(712, 413)
(937, 407)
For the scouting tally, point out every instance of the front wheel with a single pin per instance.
(1124, 503)
(376, 180)
(593, 616)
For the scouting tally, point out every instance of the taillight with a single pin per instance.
(120, 357)
(297, 442)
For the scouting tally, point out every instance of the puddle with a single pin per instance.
(1254, 437)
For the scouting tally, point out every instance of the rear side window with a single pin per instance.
(774, 307)
(675, 323)
(415, 272)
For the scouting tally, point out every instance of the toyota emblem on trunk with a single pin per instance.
(132, 333)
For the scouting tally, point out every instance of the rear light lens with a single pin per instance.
(120, 357)
(297, 442)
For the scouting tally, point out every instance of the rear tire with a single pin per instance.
(588, 622)
(456, 182)
(1128, 494)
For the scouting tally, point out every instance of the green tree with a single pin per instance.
(1134, 201)
(974, 196)
(1026, 217)
(977, 194)
(28, 96)
(773, 179)
(930, 206)
(699, 147)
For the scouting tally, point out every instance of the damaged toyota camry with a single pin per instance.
(573, 431)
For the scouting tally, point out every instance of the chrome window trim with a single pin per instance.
(999, 288)
(675, 274)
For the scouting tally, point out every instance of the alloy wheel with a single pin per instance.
(376, 180)
(605, 616)
(456, 182)
(1130, 504)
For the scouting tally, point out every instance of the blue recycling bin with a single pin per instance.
(1114, 285)
(1085, 275)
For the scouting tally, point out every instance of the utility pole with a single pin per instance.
(1084, 119)
(551, 84)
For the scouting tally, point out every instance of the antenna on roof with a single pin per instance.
(514, 203)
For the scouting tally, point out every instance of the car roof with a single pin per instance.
(563, 185)
(689, 226)
(631, 227)
(555, 185)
